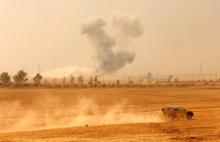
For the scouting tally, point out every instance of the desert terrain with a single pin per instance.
(108, 115)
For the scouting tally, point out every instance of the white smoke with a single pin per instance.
(67, 71)
(108, 60)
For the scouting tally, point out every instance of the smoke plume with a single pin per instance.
(128, 25)
(95, 30)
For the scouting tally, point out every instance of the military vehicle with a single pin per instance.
(177, 113)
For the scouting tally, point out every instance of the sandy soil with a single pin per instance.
(48, 115)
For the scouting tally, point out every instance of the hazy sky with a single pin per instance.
(179, 35)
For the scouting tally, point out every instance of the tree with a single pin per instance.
(176, 79)
(80, 80)
(91, 81)
(118, 82)
(5, 78)
(64, 82)
(54, 82)
(46, 83)
(96, 81)
(170, 78)
(72, 81)
(37, 79)
(149, 77)
(21, 77)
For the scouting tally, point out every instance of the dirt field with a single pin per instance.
(108, 115)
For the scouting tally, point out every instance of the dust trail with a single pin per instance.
(51, 112)
(103, 42)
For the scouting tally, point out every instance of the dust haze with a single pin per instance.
(49, 112)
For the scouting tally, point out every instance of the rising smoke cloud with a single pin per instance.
(128, 25)
(95, 30)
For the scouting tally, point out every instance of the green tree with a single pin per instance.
(37, 79)
(21, 77)
(5, 78)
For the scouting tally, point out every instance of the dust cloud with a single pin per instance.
(51, 112)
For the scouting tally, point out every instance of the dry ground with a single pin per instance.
(203, 100)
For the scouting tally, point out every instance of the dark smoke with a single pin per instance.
(108, 60)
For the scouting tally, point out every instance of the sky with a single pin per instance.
(178, 35)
